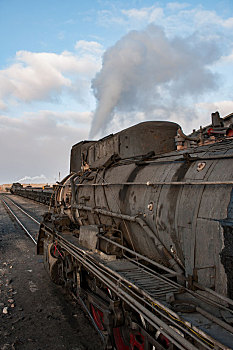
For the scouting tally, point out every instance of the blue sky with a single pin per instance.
(70, 70)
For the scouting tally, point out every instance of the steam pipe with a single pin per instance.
(181, 134)
(199, 286)
(216, 320)
(139, 255)
(144, 226)
(151, 317)
(157, 183)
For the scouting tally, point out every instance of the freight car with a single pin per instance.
(142, 234)
(39, 194)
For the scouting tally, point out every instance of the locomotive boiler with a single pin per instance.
(144, 205)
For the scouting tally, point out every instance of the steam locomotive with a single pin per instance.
(141, 232)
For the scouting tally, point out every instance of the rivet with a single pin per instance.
(200, 166)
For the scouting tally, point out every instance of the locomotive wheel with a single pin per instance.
(121, 335)
(126, 340)
(52, 264)
(121, 338)
(98, 317)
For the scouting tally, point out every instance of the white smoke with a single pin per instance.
(33, 179)
(150, 73)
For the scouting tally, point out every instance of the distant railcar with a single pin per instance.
(43, 194)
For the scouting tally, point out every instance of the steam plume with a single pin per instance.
(147, 71)
(33, 179)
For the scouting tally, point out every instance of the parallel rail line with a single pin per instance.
(18, 220)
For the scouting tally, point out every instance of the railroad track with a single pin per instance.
(195, 315)
(21, 216)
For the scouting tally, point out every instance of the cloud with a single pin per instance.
(148, 14)
(72, 118)
(228, 23)
(227, 58)
(224, 107)
(177, 18)
(91, 47)
(3, 106)
(40, 143)
(45, 76)
(149, 72)
(108, 18)
(174, 6)
(202, 17)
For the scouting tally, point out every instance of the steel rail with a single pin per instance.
(19, 222)
(37, 222)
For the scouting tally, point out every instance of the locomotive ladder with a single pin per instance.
(146, 293)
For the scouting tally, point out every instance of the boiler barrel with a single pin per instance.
(188, 219)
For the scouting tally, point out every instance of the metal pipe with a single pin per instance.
(170, 333)
(85, 260)
(119, 277)
(73, 200)
(159, 245)
(157, 158)
(152, 262)
(216, 320)
(151, 317)
(158, 183)
(90, 316)
(144, 226)
(107, 213)
(211, 317)
(189, 138)
(229, 301)
(208, 300)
